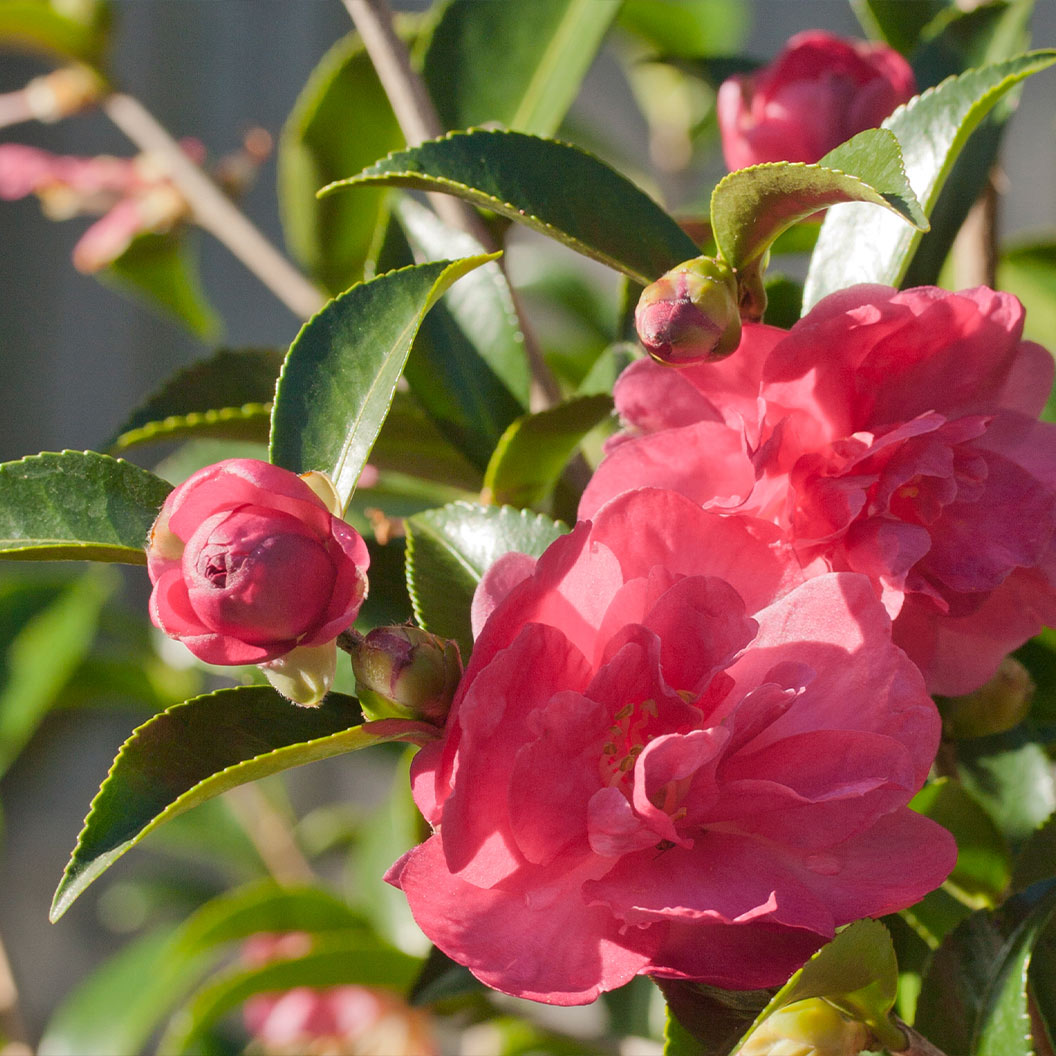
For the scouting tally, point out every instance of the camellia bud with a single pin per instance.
(690, 315)
(994, 707)
(807, 1028)
(405, 672)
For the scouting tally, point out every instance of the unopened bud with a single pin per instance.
(690, 315)
(1000, 704)
(405, 672)
(807, 1028)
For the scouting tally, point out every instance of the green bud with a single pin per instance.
(405, 672)
(806, 1028)
(1000, 704)
(690, 315)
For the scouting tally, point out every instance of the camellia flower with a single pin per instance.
(819, 91)
(251, 564)
(653, 766)
(887, 433)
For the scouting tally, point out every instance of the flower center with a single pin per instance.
(626, 740)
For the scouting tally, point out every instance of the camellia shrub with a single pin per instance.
(703, 662)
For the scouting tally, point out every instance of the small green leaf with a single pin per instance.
(77, 506)
(227, 395)
(341, 372)
(529, 458)
(860, 245)
(67, 31)
(449, 549)
(544, 59)
(550, 186)
(1036, 860)
(751, 207)
(197, 750)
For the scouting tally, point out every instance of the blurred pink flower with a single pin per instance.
(887, 433)
(819, 91)
(653, 766)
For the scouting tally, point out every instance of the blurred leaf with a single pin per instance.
(387, 602)
(751, 207)
(42, 656)
(442, 978)
(860, 245)
(341, 372)
(984, 866)
(552, 187)
(449, 549)
(160, 270)
(544, 58)
(1036, 860)
(686, 28)
(704, 1020)
(65, 31)
(534, 450)
(935, 916)
(227, 395)
(602, 376)
(1043, 988)
(197, 750)
(895, 21)
(77, 506)
(784, 300)
(341, 122)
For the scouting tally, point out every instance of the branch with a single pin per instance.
(213, 210)
(271, 836)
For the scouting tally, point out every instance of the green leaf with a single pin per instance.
(332, 237)
(227, 395)
(77, 506)
(449, 549)
(897, 22)
(704, 1020)
(341, 372)
(544, 59)
(1036, 860)
(197, 750)
(68, 31)
(984, 866)
(686, 28)
(1004, 1026)
(552, 187)
(159, 270)
(533, 451)
(751, 207)
(860, 245)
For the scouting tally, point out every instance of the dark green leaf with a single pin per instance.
(332, 237)
(227, 395)
(534, 450)
(341, 372)
(784, 300)
(704, 1020)
(897, 22)
(935, 916)
(544, 59)
(442, 978)
(77, 506)
(1036, 860)
(449, 549)
(197, 750)
(553, 187)
(751, 207)
(69, 31)
(860, 245)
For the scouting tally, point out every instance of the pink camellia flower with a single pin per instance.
(251, 564)
(892, 434)
(819, 91)
(653, 766)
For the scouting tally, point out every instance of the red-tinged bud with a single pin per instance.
(405, 672)
(994, 707)
(807, 1028)
(690, 315)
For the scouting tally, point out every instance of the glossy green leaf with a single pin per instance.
(895, 21)
(66, 31)
(161, 271)
(529, 458)
(866, 245)
(705, 1020)
(544, 59)
(341, 372)
(1036, 860)
(751, 207)
(197, 750)
(334, 961)
(984, 866)
(77, 506)
(449, 549)
(552, 187)
(341, 122)
(227, 395)
(1004, 1026)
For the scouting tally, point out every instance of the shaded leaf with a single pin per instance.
(1036, 860)
(552, 187)
(704, 1020)
(442, 978)
(227, 395)
(895, 21)
(77, 506)
(69, 31)
(449, 549)
(341, 372)
(860, 245)
(197, 750)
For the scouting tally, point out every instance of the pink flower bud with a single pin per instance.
(690, 315)
(994, 707)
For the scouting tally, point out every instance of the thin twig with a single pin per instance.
(271, 836)
(212, 209)
(14, 1040)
